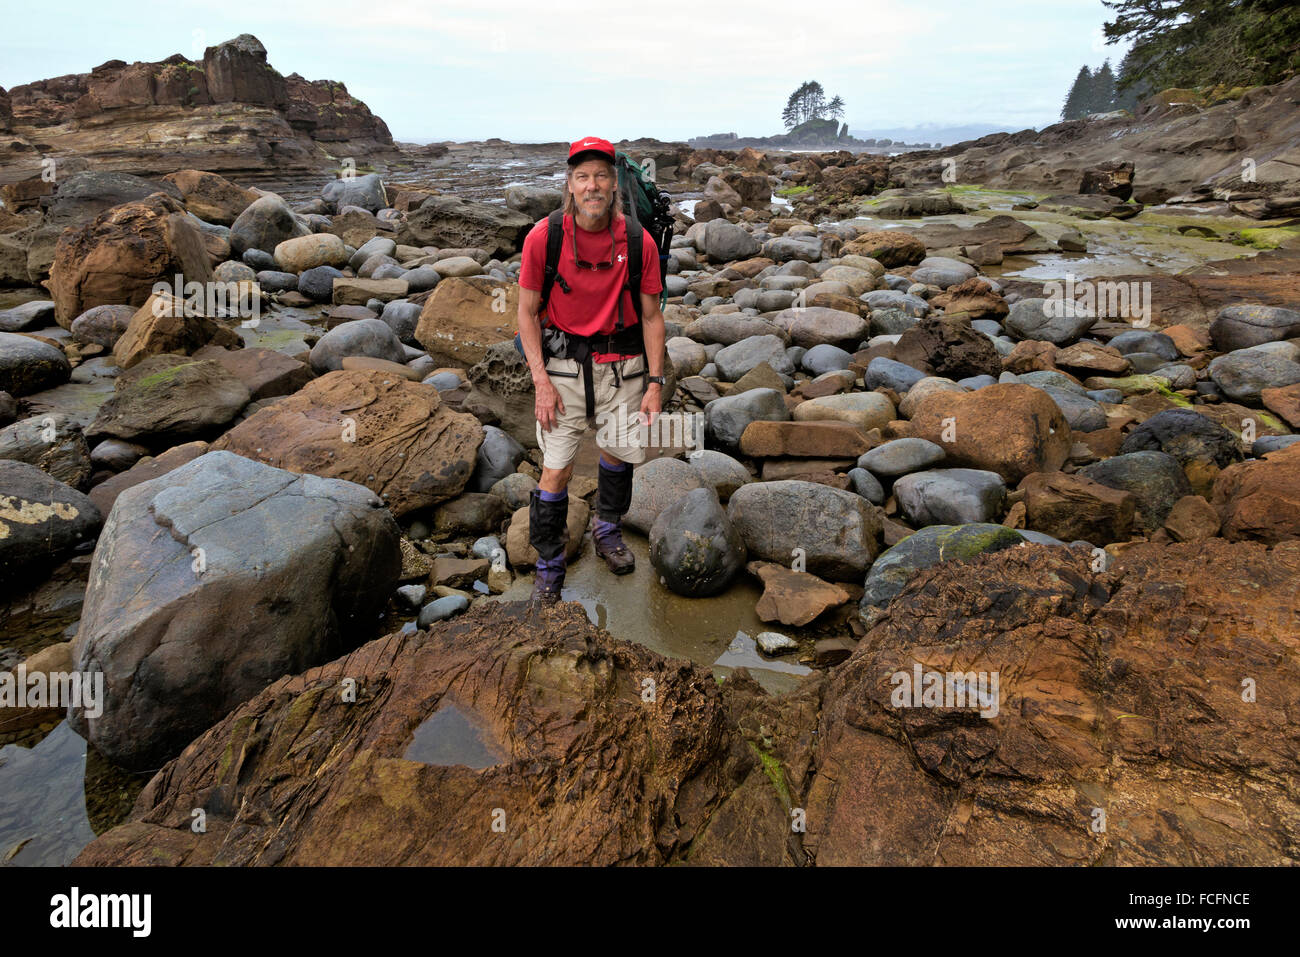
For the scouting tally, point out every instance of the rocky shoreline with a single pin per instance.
(287, 446)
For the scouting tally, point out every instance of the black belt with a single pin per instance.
(567, 345)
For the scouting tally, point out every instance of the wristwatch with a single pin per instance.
(656, 378)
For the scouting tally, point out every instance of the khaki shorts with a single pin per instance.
(617, 404)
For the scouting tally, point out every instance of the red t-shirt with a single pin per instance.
(591, 305)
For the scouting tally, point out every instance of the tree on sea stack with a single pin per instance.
(809, 103)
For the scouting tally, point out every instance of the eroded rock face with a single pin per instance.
(581, 769)
(1098, 674)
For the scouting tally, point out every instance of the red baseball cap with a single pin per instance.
(590, 144)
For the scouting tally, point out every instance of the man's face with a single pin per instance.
(592, 184)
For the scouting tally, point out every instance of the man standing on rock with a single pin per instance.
(594, 369)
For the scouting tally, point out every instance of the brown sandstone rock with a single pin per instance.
(118, 257)
(1260, 500)
(1071, 507)
(1100, 677)
(892, 247)
(210, 197)
(387, 433)
(814, 439)
(465, 316)
(1009, 429)
(791, 597)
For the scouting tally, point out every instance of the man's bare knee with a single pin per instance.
(555, 480)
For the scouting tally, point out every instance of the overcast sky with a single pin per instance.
(533, 71)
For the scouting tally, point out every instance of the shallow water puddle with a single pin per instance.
(449, 737)
(772, 673)
(43, 818)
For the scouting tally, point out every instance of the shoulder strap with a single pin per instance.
(634, 234)
(554, 243)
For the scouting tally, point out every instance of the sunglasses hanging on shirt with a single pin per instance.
(582, 263)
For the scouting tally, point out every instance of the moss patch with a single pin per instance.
(775, 774)
(154, 379)
(794, 191)
(1269, 237)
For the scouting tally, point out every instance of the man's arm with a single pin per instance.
(652, 332)
(530, 331)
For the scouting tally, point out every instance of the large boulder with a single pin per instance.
(896, 566)
(1260, 500)
(454, 222)
(165, 324)
(835, 534)
(726, 418)
(891, 247)
(1074, 507)
(307, 252)
(263, 225)
(694, 547)
(1057, 321)
(950, 496)
(1201, 446)
(167, 399)
(41, 520)
(77, 200)
(1155, 479)
(385, 432)
(212, 198)
(210, 583)
(464, 317)
(30, 365)
(1245, 374)
(118, 257)
(366, 192)
(437, 757)
(53, 442)
(724, 242)
(1245, 325)
(811, 326)
(1132, 676)
(949, 347)
(360, 337)
(1010, 429)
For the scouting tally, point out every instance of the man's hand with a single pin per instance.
(651, 403)
(547, 400)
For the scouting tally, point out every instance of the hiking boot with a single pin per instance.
(548, 582)
(613, 498)
(548, 533)
(608, 540)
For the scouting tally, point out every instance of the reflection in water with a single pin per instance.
(57, 795)
(42, 803)
(743, 653)
(448, 737)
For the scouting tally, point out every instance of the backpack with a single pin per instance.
(644, 205)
